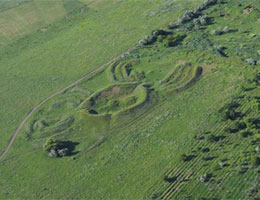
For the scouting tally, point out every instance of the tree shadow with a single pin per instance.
(93, 112)
(210, 21)
(233, 30)
(187, 158)
(70, 146)
(170, 179)
(208, 158)
(213, 138)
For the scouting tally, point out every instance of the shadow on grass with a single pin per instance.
(70, 146)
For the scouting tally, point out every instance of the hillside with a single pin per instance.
(110, 113)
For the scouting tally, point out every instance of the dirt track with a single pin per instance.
(10, 143)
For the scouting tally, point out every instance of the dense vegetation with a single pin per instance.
(178, 117)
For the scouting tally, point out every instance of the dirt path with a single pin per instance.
(10, 143)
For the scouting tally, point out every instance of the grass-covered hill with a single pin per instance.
(176, 117)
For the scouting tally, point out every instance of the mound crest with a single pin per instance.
(121, 71)
(181, 77)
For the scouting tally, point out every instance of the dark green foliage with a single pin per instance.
(253, 123)
(192, 14)
(226, 29)
(173, 25)
(213, 138)
(251, 61)
(245, 134)
(201, 20)
(187, 16)
(170, 179)
(229, 111)
(216, 32)
(206, 4)
(236, 126)
(198, 40)
(186, 158)
(148, 40)
(207, 158)
(254, 189)
(57, 148)
(174, 40)
(205, 178)
(252, 80)
(52, 144)
(93, 112)
(205, 150)
(257, 161)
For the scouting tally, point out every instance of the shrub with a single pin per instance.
(186, 158)
(245, 134)
(220, 48)
(147, 40)
(216, 32)
(203, 20)
(53, 153)
(197, 27)
(196, 21)
(205, 178)
(172, 25)
(172, 40)
(251, 61)
(236, 126)
(158, 32)
(205, 150)
(63, 152)
(207, 158)
(51, 144)
(206, 4)
(160, 38)
(188, 15)
(170, 179)
(181, 21)
(150, 39)
(213, 138)
(221, 164)
(210, 2)
(228, 111)
(226, 29)
(56, 148)
(253, 123)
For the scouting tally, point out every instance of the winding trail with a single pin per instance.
(35, 108)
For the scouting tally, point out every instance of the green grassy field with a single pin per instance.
(176, 118)
(42, 62)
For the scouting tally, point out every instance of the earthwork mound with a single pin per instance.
(121, 71)
(44, 128)
(116, 99)
(181, 77)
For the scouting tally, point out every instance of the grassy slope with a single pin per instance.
(133, 160)
(42, 62)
